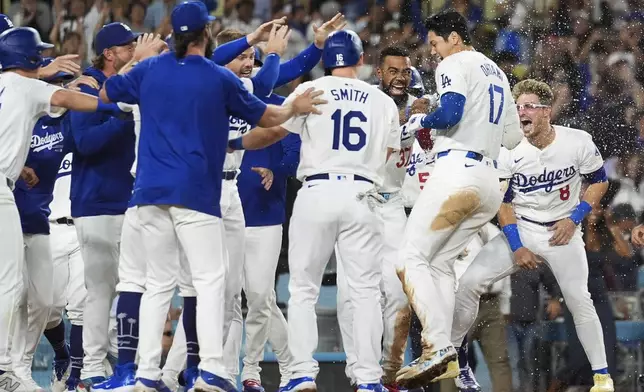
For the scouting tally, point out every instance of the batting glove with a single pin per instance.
(414, 123)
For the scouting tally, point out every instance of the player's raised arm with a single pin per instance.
(304, 103)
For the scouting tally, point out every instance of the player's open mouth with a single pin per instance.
(526, 122)
(246, 74)
(397, 88)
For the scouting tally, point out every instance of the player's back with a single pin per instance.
(488, 103)
(353, 132)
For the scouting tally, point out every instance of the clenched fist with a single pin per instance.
(420, 106)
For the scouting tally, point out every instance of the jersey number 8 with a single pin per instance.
(342, 128)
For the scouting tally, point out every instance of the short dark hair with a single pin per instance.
(444, 23)
(183, 40)
(228, 35)
(396, 51)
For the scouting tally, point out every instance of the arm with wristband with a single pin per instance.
(523, 257)
(565, 228)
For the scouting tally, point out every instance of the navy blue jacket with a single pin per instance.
(103, 156)
(262, 207)
(49, 144)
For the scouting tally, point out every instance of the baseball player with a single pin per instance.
(69, 283)
(339, 171)
(101, 186)
(394, 72)
(476, 115)
(183, 205)
(262, 195)
(23, 100)
(540, 217)
(33, 193)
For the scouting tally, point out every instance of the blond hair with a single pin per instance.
(531, 86)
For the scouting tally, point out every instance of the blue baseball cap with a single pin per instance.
(190, 16)
(5, 23)
(114, 34)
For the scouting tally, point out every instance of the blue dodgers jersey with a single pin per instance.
(49, 144)
(185, 105)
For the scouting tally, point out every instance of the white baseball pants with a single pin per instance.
(12, 286)
(264, 320)
(202, 239)
(131, 268)
(69, 275)
(99, 238)
(459, 198)
(234, 228)
(32, 319)
(396, 310)
(326, 213)
(569, 266)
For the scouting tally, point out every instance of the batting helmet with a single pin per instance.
(21, 48)
(342, 49)
(59, 76)
(416, 87)
(5, 23)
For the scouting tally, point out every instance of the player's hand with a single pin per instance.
(306, 102)
(278, 40)
(524, 258)
(66, 63)
(262, 33)
(553, 309)
(637, 236)
(420, 106)
(83, 79)
(563, 232)
(29, 176)
(267, 176)
(414, 123)
(322, 33)
(148, 45)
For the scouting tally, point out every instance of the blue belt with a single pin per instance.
(327, 177)
(470, 154)
(230, 175)
(548, 224)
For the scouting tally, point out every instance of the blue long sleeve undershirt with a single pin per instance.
(448, 113)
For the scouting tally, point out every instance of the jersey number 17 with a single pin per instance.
(343, 130)
(495, 114)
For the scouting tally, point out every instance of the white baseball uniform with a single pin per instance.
(396, 310)
(342, 157)
(462, 194)
(546, 185)
(22, 102)
(69, 282)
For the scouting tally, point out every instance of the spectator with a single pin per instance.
(157, 12)
(136, 17)
(32, 13)
(243, 20)
(525, 326)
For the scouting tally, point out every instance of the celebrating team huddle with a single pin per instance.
(164, 167)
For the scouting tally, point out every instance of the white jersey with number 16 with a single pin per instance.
(490, 110)
(353, 132)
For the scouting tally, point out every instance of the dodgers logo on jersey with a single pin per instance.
(65, 166)
(237, 127)
(48, 141)
(547, 180)
(415, 159)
